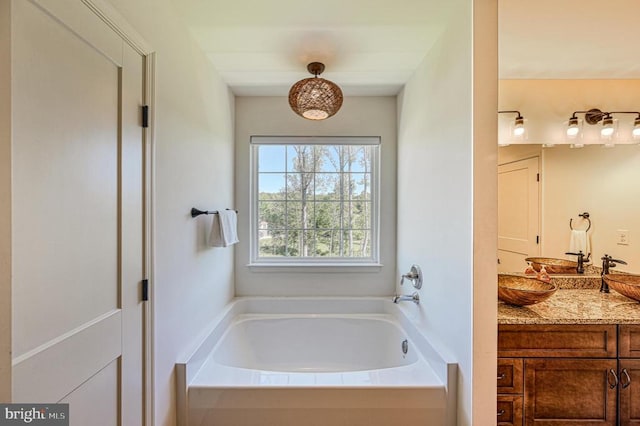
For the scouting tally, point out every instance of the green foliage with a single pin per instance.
(325, 208)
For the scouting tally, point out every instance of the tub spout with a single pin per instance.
(415, 298)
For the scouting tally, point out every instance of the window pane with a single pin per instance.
(299, 184)
(309, 244)
(273, 244)
(331, 159)
(327, 215)
(328, 243)
(271, 215)
(300, 158)
(271, 186)
(354, 186)
(327, 186)
(353, 159)
(271, 158)
(294, 215)
(294, 240)
(357, 243)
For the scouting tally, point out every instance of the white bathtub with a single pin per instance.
(315, 361)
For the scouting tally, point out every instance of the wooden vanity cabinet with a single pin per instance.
(569, 373)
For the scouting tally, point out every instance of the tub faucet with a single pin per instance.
(581, 260)
(415, 298)
(608, 262)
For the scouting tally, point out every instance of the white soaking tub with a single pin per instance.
(315, 361)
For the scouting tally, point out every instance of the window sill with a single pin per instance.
(315, 267)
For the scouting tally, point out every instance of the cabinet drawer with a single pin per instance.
(510, 375)
(557, 341)
(509, 410)
(629, 341)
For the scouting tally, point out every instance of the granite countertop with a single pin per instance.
(574, 303)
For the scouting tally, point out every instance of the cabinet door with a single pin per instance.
(570, 391)
(629, 392)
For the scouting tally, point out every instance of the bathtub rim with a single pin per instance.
(190, 363)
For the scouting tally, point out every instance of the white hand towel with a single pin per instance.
(224, 229)
(579, 242)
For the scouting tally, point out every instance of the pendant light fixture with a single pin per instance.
(315, 98)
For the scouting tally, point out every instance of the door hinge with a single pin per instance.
(145, 290)
(537, 239)
(145, 116)
(537, 177)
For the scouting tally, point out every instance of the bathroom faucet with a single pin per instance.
(581, 260)
(608, 262)
(415, 298)
(415, 276)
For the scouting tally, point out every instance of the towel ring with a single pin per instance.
(584, 215)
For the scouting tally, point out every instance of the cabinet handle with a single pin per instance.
(501, 376)
(615, 379)
(625, 384)
(501, 412)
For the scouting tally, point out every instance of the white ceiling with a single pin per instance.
(372, 47)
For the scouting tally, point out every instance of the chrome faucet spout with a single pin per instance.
(415, 298)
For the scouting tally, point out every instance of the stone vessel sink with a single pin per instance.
(521, 290)
(627, 285)
(553, 266)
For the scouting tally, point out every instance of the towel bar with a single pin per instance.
(197, 212)
(584, 215)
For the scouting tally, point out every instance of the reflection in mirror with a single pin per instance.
(594, 179)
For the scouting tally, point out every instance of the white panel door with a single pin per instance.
(77, 213)
(518, 214)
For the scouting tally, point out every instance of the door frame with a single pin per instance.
(116, 22)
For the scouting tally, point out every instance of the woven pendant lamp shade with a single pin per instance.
(315, 98)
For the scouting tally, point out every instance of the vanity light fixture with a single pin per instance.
(517, 127)
(315, 98)
(609, 124)
(636, 128)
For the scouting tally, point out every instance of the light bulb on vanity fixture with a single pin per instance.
(573, 126)
(607, 126)
(517, 128)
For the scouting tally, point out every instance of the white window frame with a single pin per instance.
(373, 260)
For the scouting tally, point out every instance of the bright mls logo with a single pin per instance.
(34, 414)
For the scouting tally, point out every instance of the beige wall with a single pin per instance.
(603, 182)
(359, 116)
(447, 199)
(5, 200)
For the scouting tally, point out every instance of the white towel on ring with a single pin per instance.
(224, 229)
(579, 242)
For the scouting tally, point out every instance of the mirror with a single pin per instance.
(593, 179)
(547, 72)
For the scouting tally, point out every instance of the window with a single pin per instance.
(314, 200)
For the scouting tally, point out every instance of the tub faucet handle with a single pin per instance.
(415, 275)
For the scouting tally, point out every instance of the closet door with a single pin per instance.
(77, 215)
